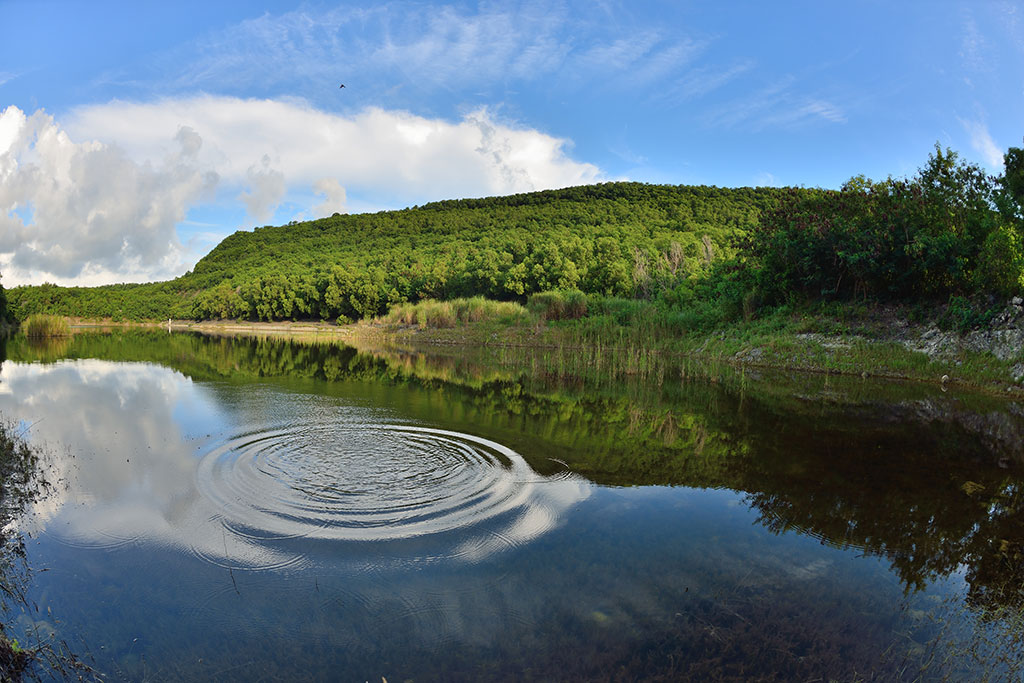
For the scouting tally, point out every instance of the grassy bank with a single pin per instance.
(887, 342)
(880, 342)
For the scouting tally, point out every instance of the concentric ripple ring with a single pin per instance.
(363, 482)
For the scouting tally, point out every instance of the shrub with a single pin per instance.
(1001, 263)
(961, 315)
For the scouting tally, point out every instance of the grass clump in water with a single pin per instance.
(42, 325)
(438, 314)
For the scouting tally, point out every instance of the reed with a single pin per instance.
(430, 313)
(42, 325)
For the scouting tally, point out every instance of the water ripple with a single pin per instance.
(375, 482)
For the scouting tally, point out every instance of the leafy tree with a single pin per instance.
(4, 315)
(1012, 183)
(927, 237)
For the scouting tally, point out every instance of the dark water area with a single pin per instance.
(260, 509)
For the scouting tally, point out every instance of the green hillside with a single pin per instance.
(618, 239)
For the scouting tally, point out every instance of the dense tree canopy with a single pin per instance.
(936, 235)
(624, 239)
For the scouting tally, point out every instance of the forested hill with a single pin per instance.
(613, 238)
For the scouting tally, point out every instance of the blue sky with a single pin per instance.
(134, 136)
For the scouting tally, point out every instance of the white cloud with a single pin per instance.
(375, 151)
(99, 199)
(983, 144)
(85, 211)
(334, 197)
(266, 188)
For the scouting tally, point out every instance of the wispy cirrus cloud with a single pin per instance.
(973, 46)
(983, 144)
(396, 54)
(782, 104)
(1010, 15)
(701, 81)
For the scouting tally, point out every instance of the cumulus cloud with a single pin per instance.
(334, 197)
(266, 187)
(375, 152)
(97, 198)
(88, 212)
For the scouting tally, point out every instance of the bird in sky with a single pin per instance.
(342, 85)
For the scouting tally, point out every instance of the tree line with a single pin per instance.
(617, 239)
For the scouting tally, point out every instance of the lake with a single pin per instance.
(236, 509)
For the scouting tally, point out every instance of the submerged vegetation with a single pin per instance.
(21, 485)
(17, 488)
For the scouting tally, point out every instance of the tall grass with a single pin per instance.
(558, 304)
(42, 325)
(437, 314)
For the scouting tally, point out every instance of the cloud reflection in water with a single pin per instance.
(256, 478)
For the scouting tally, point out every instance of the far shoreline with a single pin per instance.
(809, 353)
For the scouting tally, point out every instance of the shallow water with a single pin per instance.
(229, 509)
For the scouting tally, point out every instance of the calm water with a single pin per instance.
(229, 509)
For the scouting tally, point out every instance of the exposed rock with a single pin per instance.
(750, 355)
(829, 341)
(1004, 338)
(1018, 372)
